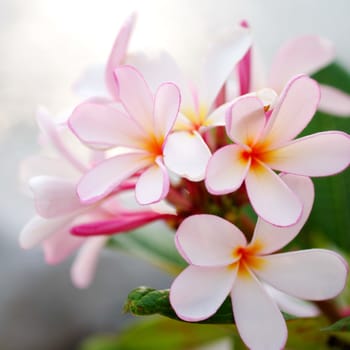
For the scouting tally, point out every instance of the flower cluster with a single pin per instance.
(157, 146)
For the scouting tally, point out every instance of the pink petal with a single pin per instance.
(314, 274)
(271, 198)
(107, 175)
(226, 170)
(166, 108)
(306, 54)
(153, 184)
(103, 126)
(54, 196)
(258, 319)
(59, 246)
(135, 96)
(334, 101)
(198, 292)
(118, 53)
(208, 240)
(245, 120)
(294, 110)
(271, 238)
(84, 266)
(291, 305)
(321, 154)
(186, 154)
(220, 62)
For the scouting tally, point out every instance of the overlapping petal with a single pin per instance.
(197, 243)
(334, 101)
(198, 292)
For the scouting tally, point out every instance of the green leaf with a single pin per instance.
(153, 243)
(159, 334)
(342, 325)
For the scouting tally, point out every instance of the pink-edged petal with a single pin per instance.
(270, 238)
(104, 126)
(306, 54)
(294, 110)
(334, 101)
(135, 96)
(314, 274)
(38, 229)
(153, 184)
(59, 246)
(258, 319)
(166, 107)
(84, 266)
(208, 240)
(291, 305)
(271, 197)
(107, 175)
(54, 196)
(320, 154)
(198, 292)
(118, 53)
(218, 116)
(222, 58)
(186, 154)
(245, 120)
(226, 170)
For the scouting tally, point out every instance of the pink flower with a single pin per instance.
(263, 140)
(222, 263)
(142, 124)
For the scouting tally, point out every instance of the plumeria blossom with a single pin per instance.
(142, 124)
(263, 142)
(52, 179)
(222, 263)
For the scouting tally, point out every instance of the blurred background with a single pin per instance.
(45, 46)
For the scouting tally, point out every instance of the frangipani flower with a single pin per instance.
(263, 141)
(222, 263)
(142, 124)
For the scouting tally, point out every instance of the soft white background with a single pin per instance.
(44, 46)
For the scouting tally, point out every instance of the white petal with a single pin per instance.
(334, 101)
(186, 154)
(208, 240)
(218, 116)
(270, 238)
(314, 274)
(226, 170)
(271, 198)
(258, 319)
(322, 154)
(153, 184)
(107, 175)
(198, 292)
(84, 266)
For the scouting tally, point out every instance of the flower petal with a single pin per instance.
(305, 54)
(270, 238)
(271, 198)
(186, 154)
(103, 126)
(258, 319)
(226, 170)
(208, 240)
(314, 274)
(153, 184)
(334, 101)
(118, 53)
(54, 196)
(107, 175)
(84, 266)
(135, 96)
(320, 154)
(294, 110)
(245, 120)
(198, 292)
(166, 108)
(221, 60)
(218, 116)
